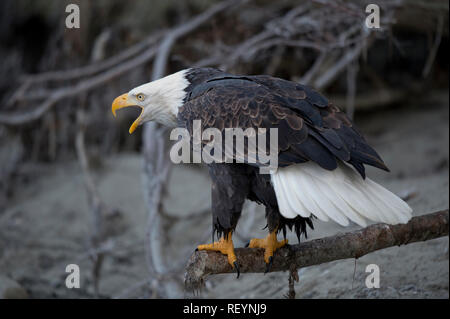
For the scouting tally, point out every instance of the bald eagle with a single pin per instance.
(321, 155)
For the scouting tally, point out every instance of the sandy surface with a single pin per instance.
(47, 224)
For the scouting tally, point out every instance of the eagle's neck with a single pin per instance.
(166, 96)
(170, 93)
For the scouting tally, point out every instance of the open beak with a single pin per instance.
(123, 101)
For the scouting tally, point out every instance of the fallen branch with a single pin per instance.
(342, 246)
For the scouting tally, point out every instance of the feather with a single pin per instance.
(282, 200)
(341, 194)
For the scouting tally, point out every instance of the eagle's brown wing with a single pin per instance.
(309, 127)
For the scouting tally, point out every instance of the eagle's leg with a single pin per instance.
(270, 245)
(226, 247)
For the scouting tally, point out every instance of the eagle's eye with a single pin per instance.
(140, 97)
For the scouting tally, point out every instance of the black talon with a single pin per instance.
(269, 265)
(236, 266)
(247, 244)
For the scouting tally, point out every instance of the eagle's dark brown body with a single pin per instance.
(309, 129)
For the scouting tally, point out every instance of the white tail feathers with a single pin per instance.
(337, 195)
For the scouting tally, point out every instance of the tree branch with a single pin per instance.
(170, 39)
(97, 66)
(20, 118)
(342, 246)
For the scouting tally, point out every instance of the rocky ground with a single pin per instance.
(47, 224)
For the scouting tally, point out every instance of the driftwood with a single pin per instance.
(342, 246)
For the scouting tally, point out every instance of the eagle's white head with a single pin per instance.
(159, 100)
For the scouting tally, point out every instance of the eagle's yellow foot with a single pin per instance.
(270, 245)
(226, 247)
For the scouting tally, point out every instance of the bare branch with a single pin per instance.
(352, 73)
(342, 246)
(314, 69)
(166, 46)
(96, 205)
(91, 69)
(435, 47)
(70, 91)
(351, 55)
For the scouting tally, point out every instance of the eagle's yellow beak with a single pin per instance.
(123, 101)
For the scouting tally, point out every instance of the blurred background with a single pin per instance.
(76, 188)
